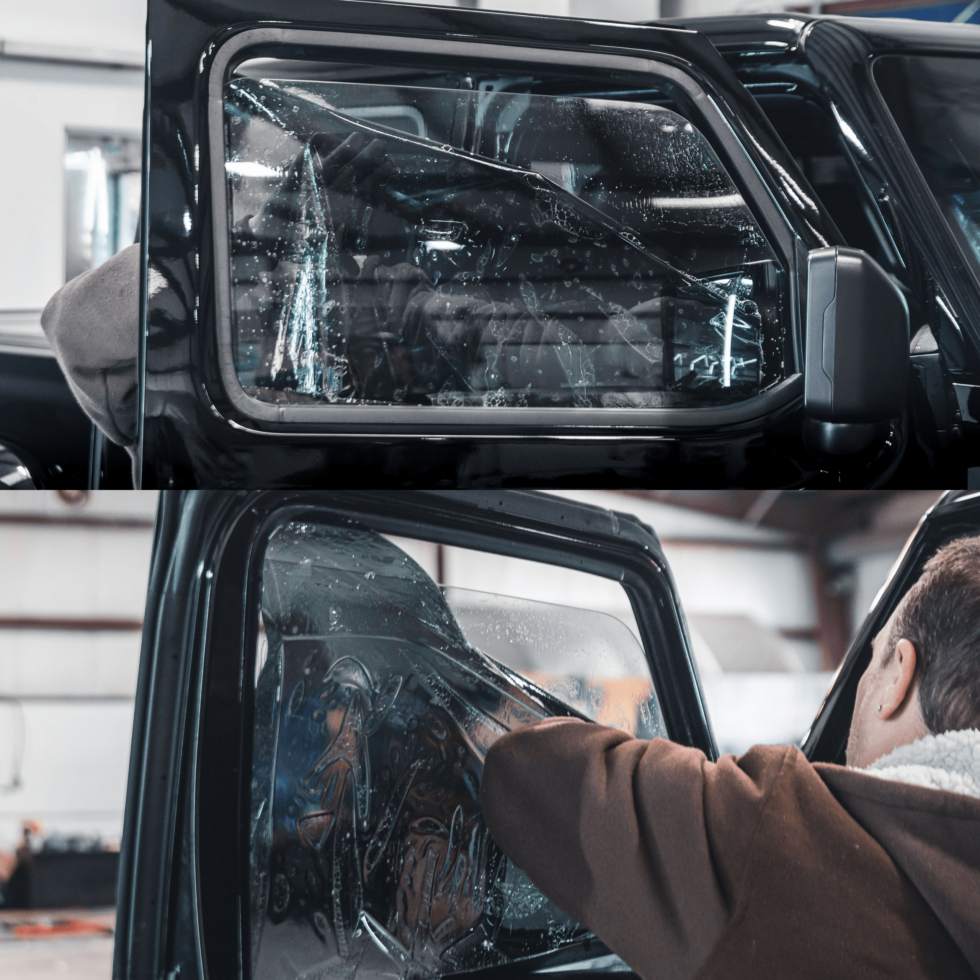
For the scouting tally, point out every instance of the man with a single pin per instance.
(766, 866)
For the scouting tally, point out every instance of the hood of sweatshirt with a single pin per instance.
(922, 804)
(92, 324)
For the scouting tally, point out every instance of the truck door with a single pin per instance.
(322, 674)
(397, 243)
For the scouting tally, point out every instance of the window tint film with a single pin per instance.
(377, 695)
(934, 102)
(585, 658)
(479, 242)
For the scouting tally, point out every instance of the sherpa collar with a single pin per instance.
(950, 761)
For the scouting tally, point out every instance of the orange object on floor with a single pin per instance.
(61, 927)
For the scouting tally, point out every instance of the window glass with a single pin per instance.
(377, 695)
(933, 99)
(587, 659)
(813, 137)
(102, 199)
(476, 241)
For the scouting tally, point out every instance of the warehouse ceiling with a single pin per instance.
(810, 514)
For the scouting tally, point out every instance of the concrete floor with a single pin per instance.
(82, 957)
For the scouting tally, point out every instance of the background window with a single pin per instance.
(102, 199)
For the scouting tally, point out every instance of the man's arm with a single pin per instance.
(612, 829)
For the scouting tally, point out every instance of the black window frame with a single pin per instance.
(198, 660)
(640, 68)
(956, 514)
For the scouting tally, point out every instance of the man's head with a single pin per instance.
(924, 674)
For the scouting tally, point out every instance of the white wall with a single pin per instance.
(41, 103)
(771, 586)
(66, 695)
(115, 25)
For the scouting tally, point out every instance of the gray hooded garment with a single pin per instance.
(91, 324)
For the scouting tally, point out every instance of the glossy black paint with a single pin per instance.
(41, 422)
(957, 514)
(192, 437)
(842, 54)
(183, 862)
(831, 60)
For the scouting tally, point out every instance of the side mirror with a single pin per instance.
(857, 351)
(14, 474)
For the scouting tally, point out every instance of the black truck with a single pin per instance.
(388, 244)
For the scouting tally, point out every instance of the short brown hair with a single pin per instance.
(940, 616)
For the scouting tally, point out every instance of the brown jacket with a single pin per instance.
(762, 866)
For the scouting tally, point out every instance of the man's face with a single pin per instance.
(862, 748)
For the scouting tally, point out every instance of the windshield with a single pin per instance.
(935, 100)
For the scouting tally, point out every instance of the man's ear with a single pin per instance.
(899, 675)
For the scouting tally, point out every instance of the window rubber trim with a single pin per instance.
(393, 421)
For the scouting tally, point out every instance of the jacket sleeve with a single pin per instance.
(612, 829)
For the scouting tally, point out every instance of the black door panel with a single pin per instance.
(240, 389)
(42, 423)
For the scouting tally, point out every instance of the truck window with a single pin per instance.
(813, 137)
(933, 99)
(377, 695)
(414, 238)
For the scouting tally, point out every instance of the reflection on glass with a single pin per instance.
(587, 659)
(933, 99)
(374, 710)
(102, 199)
(399, 244)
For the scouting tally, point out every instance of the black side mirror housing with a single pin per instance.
(857, 350)
(14, 471)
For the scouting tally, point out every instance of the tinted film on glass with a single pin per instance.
(377, 695)
(934, 100)
(487, 241)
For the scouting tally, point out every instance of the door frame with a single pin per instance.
(183, 868)
(388, 421)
